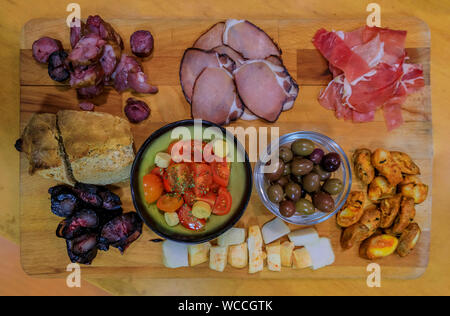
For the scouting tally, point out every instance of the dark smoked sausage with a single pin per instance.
(44, 47)
(141, 43)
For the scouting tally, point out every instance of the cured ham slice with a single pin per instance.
(194, 62)
(214, 97)
(262, 88)
(234, 55)
(369, 70)
(211, 38)
(249, 40)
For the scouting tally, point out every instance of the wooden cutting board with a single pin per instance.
(43, 254)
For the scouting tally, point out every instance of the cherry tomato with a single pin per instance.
(188, 220)
(189, 197)
(178, 178)
(194, 148)
(223, 202)
(170, 202)
(158, 171)
(221, 173)
(153, 187)
(209, 198)
(203, 179)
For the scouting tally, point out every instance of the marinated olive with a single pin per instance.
(301, 166)
(296, 179)
(311, 182)
(293, 191)
(287, 169)
(316, 156)
(302, 147)
(323, 175)
(287, 208)
(286, 154)
(304, 207)
(333, 186)
(323, 202)
(279, 168)
(275, 193)
(283, 181)
(331, 162)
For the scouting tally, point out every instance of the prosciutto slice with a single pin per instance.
(263, 88)
(249, 40)
(211, 38)
(369, 70)
(194, 62)
(214, 97)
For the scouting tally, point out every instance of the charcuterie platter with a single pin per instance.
(42, 254)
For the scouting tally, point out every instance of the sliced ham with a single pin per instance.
(214, 97)
(237, 58)
(261, 88)
(211, 38)
(369, 70)
(249, 40)
(194, 62)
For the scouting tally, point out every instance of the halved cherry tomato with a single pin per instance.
(189, 197)
(195, 147)
(170, 202)
(153, 187)
(209, 198)
(223, 202)
(188, 220)
(178, 178)
(221, 173)
(202, 174)
(158, 171)
(214, 187)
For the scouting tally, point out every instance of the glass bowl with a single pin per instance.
(343, 173)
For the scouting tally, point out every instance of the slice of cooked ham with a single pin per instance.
(234, 55)
(262, 89)
(214, 97)
(194, 62)
(249, 40)
(211, 38)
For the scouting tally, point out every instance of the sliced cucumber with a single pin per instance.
(201, 209)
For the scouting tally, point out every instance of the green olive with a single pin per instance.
(311, 182)
(333, 186)
(304, 207)
(302, 147)
(293, 191)
(275, 193)
(287, 169)
(323, 175)
(301, 166)
(286, 154)
(275, 175)
(287, 208)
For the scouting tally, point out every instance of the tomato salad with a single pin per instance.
(189, 192)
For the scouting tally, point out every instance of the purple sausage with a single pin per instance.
(136, 111)
(141, 43)
(44, 47)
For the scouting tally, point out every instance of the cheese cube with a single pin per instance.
(274, 256)
(175, 255)
(321, 253)
(234, 236)
(304, 236)
(238, 256)
(274, 230)
(287, 248)
(255, 253)
(218, 258)
(302, 259)
(198, 254)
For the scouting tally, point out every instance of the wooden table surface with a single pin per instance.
(436, 280)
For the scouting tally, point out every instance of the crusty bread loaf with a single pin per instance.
(98, 146)
(40, 143)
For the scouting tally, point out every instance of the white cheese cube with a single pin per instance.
(274, 230)
(233, 236)
(274, 256)
(304, 236)
(218, 258)
(175, 255)
(302, 259)
(321, 253)
(287, 248)
(198, 254)
(238, 256)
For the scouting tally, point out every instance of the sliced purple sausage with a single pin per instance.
(88, 50)
(85, 76)
(87, 106)
(44, 47)
(57, 68)
(110, 59)
(96, 25)
(141, 43)
(76, 31)
(91, 91)
(136, 111)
